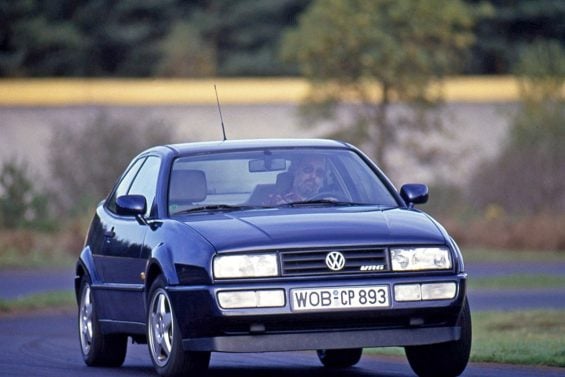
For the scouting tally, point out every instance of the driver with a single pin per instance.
(309, 174)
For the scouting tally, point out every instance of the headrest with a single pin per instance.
(284, 182)
(188, 186)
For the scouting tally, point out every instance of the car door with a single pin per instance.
(105, 224)
(120, 263)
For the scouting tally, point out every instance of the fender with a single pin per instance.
(184, 247)
(161, 260)
(85, 263)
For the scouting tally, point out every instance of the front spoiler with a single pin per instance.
(324, 340)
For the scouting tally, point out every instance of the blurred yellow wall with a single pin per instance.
(58, 92)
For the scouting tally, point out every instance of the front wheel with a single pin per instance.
(165, 339)
(341, 358)
(98, 349)
(445, 359)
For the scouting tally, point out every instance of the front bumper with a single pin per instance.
(207, 327)
(325, 340)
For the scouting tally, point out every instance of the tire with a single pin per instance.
(164, 338)
(342, 358)
(97, 349)
(444, 359)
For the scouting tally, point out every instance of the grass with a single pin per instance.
(37, 302)
(524, 337)
(12, 258)
(26, 248)
(515, 281)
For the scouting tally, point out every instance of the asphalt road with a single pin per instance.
(47, 345)
(18, 283)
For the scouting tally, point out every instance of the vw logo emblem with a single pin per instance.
(335, 261)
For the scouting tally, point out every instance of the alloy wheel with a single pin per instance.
(85, 320)
(161, 327)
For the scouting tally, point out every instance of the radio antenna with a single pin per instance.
(220, 111)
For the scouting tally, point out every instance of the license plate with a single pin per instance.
(340, 298)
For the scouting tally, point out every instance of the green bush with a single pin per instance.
(21, 203)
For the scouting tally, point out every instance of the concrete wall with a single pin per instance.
(475, 132)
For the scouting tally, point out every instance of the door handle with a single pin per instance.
(110, 233)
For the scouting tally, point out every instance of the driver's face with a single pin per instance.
(309, 176)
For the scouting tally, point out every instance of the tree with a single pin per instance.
(512, 26)
(247, 33)
(185, 53)
(374, 52)
(140, 38)
(125, 36)
(40, 38)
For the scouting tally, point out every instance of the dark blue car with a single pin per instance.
(268, 245)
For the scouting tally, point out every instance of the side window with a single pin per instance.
(124, 184)
(145, 183)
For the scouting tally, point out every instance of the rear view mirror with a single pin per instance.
(131, 205)
(414, 193)
(271, 164)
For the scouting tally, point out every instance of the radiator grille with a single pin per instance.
(313, 262)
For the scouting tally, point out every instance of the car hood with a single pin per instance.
(315, 227)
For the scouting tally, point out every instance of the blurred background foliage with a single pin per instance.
(528, 176)
(521, 192)
(367, 54)
(47, 219)
(142, 38)
(82, 170)
(21, 203)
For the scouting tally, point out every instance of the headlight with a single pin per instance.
(420, 258)
(245, 266)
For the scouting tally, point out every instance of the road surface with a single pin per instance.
(47, 345)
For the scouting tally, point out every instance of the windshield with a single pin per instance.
(274, 178)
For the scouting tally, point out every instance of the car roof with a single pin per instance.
(214, 146)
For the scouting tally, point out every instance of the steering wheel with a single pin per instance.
(329, 195)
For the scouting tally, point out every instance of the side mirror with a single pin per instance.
(131, 205)
(414, 193)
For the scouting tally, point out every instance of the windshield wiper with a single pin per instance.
(320, 201)
(213, 207)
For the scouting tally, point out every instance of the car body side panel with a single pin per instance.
(116, 299)
(118, 264)
(118, 258)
